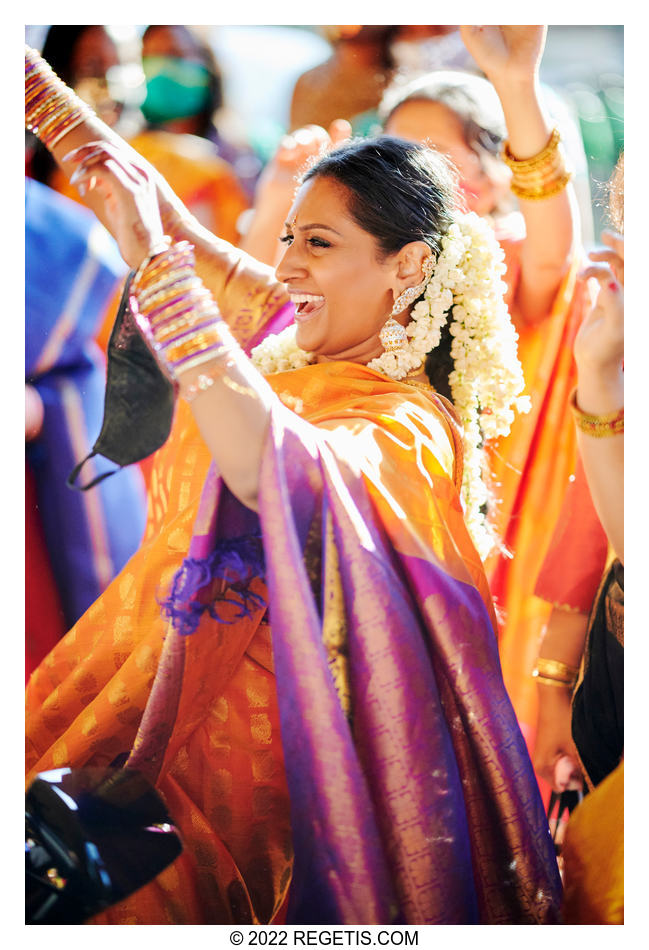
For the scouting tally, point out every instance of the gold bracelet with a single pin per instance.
(544, 191)
(535, 160)
(550, 681)
(597, 426)
(46, 95)
(555, 669)
(541, 176)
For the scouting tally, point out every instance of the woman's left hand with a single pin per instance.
(506, 53)
(128, 193)
(599, 344)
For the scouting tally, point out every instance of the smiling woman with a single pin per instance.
(319, 695)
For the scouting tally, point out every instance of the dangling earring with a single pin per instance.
(393, 336)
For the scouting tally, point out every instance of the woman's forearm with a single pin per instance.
(602, 395)
(245, 290)
(233, 415)
(551, 223)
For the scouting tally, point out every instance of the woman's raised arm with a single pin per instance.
(238, 282)
(510, 56)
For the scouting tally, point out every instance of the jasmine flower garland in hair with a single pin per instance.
(487, 378)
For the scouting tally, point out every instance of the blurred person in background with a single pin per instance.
(416, 49)
(364, 60)
(349, 84)
(205, 182)
(184, 94)
(593, 851)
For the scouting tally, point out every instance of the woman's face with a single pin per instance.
(93, 55)
(419, 120)
(343, 293)
(170, 41)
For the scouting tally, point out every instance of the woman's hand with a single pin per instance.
(128, 192)
(614, 255)
(506, 54)
(277, 182)
(34, 412)
(554, 740)
(599, 344)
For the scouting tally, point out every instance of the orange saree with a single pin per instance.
(223, 775)
(419, 614)
(530, 469)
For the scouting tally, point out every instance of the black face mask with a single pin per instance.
(139, 400)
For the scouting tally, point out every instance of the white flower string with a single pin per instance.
(487, 378)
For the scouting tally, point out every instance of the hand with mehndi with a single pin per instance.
(128, 193)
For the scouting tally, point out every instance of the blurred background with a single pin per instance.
(259, 67)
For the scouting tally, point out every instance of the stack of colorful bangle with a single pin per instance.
(555, 673)
(597, 426)
(541, 176)
(175, 312)
(51, 109)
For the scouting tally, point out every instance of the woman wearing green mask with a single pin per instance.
(184, 91)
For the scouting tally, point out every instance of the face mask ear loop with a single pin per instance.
(72, 477)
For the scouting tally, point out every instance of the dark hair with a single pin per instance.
(398, 192)
(206, 56)
(472, 98)
(58, 49)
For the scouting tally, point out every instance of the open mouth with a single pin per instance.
(306, 305)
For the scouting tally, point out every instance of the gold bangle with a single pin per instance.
(539, 159)
(555, 668)
(544, 191)
(597, 426)
(176, 257)
(550, 681)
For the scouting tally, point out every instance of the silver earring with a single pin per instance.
(411, 293)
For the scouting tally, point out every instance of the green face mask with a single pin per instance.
(175, 89)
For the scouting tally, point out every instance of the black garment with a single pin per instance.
(598, 703)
